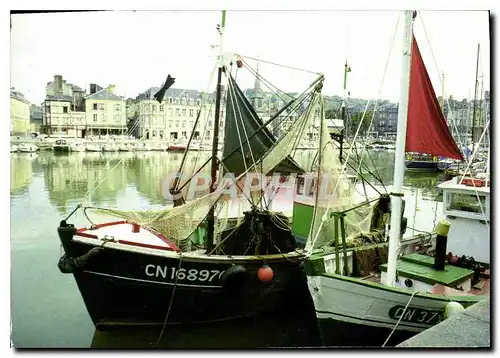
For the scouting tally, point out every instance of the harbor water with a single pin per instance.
(47, 310)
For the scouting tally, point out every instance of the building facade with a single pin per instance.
(105, 113)
(173, 119)
(19, 114)
(36, 118)
(63, 111)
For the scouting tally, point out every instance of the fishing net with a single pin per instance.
(335, 193)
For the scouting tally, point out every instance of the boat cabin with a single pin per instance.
(466, 204)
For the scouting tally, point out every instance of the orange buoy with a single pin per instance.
(265, 273)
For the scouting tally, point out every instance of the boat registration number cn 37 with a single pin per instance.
(182, 274)
(416, 315)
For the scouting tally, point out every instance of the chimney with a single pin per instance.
(58, 81)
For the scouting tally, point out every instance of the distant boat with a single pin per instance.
(160, 147)
(176, 147)
(77, 147)
(110, 147)
(93, 147)
(141, 147)
(124, 147)
(61, 145)
(27, 148)
(14, 148)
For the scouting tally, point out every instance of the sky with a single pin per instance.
(137, 49)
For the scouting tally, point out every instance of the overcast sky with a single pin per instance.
(136, 50)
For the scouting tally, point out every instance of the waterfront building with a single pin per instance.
(173, 119)
(19, 114)
(63, 111)
(105, 112)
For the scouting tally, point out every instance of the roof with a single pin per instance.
(104, 94)
(171, 92)
(59, 98)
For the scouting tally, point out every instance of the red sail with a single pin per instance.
(427, 130)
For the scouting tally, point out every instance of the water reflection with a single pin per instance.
(44, 185)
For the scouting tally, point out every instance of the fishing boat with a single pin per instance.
(371, 291)
(61, 145)
(190, 263)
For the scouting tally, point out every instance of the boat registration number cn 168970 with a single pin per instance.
(194, 275)
(416, 315)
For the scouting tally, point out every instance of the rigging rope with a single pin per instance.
(279, 65)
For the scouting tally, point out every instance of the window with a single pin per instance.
(95, 117)
(196, 135)
(154, 108)
(117, 108)
(154, 134)
(207, 134)
(117, 118)
(161, 107)
(170, 112)
(466, 202)
(170, 123)
(210, 124)
(176, 124)
(177, 101)
(210, 113)
(198, 102)
(177, 112)
(191, 113)
(170, 100)
(183, 124)
(222, 123)
(101, 106)
(65, 109)
(184, 135)
(95, 106)
(191, 102)
(184, 112)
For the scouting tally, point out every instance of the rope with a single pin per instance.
(400, 317)
(170, 303)
(450, 112)
(279, 65)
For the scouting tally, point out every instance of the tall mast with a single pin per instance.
(474, 104)
(399, 161)
(215, 143)
(343, 115)
(442, 91)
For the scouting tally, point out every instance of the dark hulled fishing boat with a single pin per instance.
(192, 263)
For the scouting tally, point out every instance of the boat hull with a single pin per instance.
(354, 312)
(422, 165)
(121, 287)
